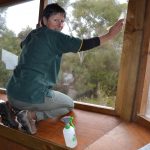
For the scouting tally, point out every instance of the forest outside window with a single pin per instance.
(91, 76)
(15, 23)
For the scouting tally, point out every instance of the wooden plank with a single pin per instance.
(144, 69)
(126, 136)
(2, 91)
(95, 108)
(130, 58)
(43, 3)
(144, 121)
(29, 141)
(6, 144)
(89, 127)
(7, 3)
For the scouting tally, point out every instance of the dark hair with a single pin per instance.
(52, 9)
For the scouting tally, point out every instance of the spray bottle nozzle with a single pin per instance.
(68, 120)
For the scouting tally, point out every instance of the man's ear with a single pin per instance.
(44, 21)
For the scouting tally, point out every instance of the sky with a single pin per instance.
(20, 16)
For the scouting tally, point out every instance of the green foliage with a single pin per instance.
(10, 42)
(5, 75)
(23, 34)
(100, 66)
(103, 68)
(2, 18)
(104, 101)
(92, 17)
(62, 3)
(99, 69)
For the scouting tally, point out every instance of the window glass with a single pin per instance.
(92, 76)
(15, 23)
(89, 76)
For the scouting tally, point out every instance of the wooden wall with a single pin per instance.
(144, 67)
(133, 60)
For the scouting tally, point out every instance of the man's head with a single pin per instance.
(53, 17)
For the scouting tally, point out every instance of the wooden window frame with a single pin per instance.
(132, 82)
(134, 79)
(133, 75)
(126, 101)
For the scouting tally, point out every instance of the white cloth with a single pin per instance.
(9, 59)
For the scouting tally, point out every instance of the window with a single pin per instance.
(92, 76)
(16, 22)
(89, 77)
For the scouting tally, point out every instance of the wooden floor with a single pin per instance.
(89, 128)
(99, 132)
(94, 132)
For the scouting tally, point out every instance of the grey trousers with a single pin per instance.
(59, 104)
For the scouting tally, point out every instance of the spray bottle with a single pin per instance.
(69, 132)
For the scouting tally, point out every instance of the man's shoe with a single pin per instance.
(26, 121)
(7, 116)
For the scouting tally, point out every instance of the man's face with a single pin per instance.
(56, 22)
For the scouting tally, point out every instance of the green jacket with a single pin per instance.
(39, 64)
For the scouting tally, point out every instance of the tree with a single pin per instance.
(99, 68)
(10, 42)
(23, 34)
(63, 3)
(2, 19)
(96, 70)
(7, 41)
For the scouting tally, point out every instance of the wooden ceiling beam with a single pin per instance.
(7, 3)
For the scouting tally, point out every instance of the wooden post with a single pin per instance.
(42, 5)
(144, 69)
(130, 58)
